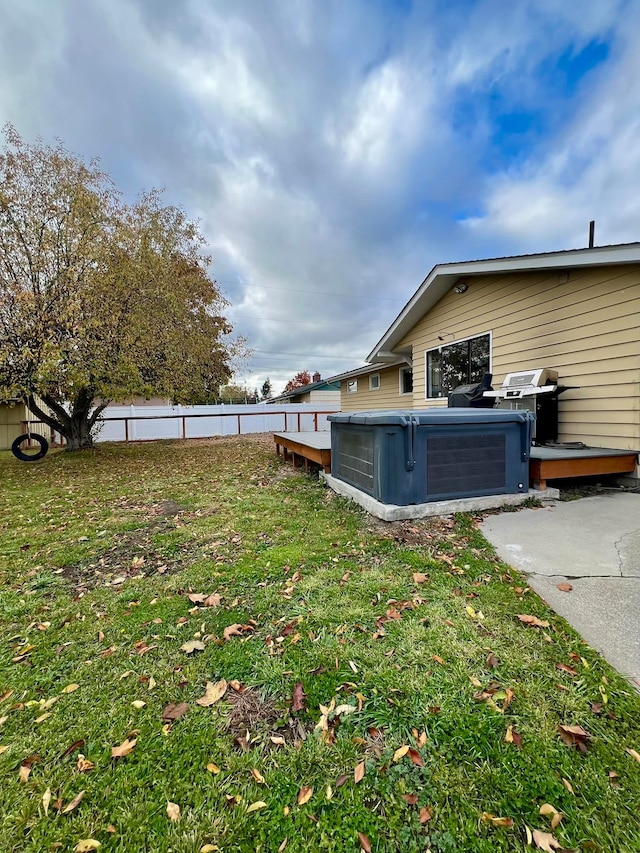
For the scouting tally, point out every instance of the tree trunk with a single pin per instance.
(75, 427)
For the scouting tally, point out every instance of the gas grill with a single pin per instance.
(536, 391)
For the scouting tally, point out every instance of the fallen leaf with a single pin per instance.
(83, 764)
(416, 758)
(42, 718)
(400, 752)
(496, 821)
(425, 814)
(74, 802)
(568, 786)
(173, 811)
(563, 667)
(257, 775)
(564, 587)
(438, 659)
(213, 693)
(492, 661)
(283, 845)
(358, 773)
(232, 631)
(209, 848)
(213, 768)
(365, 844)
(545, 841)
(341, 780)
(174, 711)
(151, 684)
(125, 748)
(575, 736)
(192, 646)
(547, 809)
(410, 799)
(298, 698)
(254, 807)
(419, 577)
(632, 753)
(213, 600)
(86, 845)
(46, 799)
(138, 704)
(512, 736)
(533, 621)
(277, 740)
(197, 597)
(304, 795)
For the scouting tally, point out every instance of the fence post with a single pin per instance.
(184, 426)
(126, 429)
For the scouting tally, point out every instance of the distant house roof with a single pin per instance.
(324, 385)
(368, 368)
(444, 276)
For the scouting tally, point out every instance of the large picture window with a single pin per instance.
(458, 363)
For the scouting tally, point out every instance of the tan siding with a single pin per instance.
(11, 418)
(587, 328)
(386, 397)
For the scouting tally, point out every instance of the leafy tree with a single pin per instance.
(266, 390)
(299, 380)
(99, 300)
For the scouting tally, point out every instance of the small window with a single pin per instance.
(406, 380)
(352, 386)
(458, 363)
(374, 382)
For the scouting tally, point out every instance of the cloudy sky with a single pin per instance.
(335, 150)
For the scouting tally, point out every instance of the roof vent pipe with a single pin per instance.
(592, 232)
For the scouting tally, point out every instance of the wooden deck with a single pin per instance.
(546, 463)
(559, 463)
(305, 448)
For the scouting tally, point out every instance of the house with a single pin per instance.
(319, 391)
(576, 311)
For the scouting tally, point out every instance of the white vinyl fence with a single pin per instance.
(147, 423)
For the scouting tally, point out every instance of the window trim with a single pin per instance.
(352, 386)
(450, 343)
(400, 391)
(373, 387)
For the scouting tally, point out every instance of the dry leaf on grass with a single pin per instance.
(496, 821)
(299, 698)
(257, 775)
(70, 688)
(400, 752)
(533, 621)
(420, 577)
(74, 802)
(46, 799)
(254, 807)
(213, 693)
(83, 764)
(125, 748)
(358, 773)
(192, 646)
(174, 711)
(86, 844)
(173, 811)
(545, 841)
(425, 814)
(632, 753)
(575, 736)
(365, 844)
(304, 795)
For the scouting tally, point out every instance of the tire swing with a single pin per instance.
(30, 457)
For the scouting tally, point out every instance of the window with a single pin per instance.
(406, 380)
(458, 363)
(374, 382)
(352, 386)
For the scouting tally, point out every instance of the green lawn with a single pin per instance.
(378, 689)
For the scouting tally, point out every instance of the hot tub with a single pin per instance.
(421, 455)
